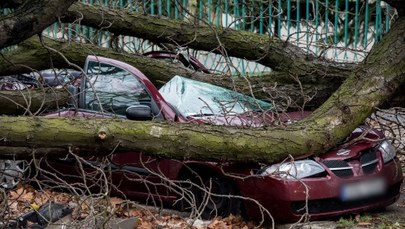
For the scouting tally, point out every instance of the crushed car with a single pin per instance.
(358, 176)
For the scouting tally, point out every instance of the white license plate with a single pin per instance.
(363, 189)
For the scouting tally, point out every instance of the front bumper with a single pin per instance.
(288, 200)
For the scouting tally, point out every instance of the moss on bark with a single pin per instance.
(32, 102)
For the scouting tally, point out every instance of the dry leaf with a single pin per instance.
(13, 206)
(133, 212)
(26, 197)
(217, 224)
(145, 225)
(364, 224)
(114, 201)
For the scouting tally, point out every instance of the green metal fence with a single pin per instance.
(342, 30)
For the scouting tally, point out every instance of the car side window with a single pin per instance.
(111, 89)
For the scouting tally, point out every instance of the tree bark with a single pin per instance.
(366, 88)
(10, 3)
(31, 18)
(32, 102)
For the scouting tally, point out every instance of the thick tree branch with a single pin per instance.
(30, 18)
(275, 86)
(272, 86)
(32, 102)
(270, 51)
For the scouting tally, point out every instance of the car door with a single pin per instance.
(109, 88)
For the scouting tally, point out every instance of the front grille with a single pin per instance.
(339, 168)
(335, 204)
(369, 161)
(336, 164)
(343, 172)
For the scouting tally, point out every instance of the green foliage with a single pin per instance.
(345, 223)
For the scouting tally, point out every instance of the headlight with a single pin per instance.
(294, 170)
(388, 151)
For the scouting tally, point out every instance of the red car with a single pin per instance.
(355, 177)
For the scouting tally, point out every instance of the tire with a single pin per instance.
(213, 205)
(12, 172)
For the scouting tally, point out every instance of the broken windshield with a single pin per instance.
(194, 98)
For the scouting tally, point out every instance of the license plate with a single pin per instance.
(363, 189)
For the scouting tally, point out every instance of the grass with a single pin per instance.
(367, 221)
(345, 223)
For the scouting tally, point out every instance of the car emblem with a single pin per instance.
(343, 152)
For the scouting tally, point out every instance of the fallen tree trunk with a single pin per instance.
(366, 88)
(305, 82)
(281, 56)
(276, 87)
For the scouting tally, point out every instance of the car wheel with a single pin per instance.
(215, 199)
(12, 172)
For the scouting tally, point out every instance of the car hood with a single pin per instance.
(206, 103)
(361, 139)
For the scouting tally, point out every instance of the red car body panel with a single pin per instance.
(282, 197)
(322, 193)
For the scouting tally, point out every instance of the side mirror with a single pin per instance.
(139, 112)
